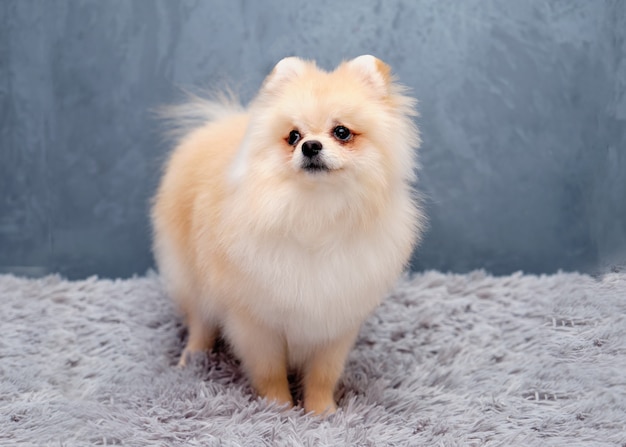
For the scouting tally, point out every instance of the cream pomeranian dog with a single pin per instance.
(283, 225)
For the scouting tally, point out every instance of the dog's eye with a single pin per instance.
(294, 137)
(342, 133)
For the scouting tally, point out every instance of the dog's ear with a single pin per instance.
(285, 70)
(373, 71)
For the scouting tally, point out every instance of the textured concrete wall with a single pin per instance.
(523, 118)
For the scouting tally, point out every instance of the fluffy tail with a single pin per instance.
(197, 111)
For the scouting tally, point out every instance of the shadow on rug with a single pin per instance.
(464, 360)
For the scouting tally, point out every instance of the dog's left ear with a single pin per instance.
(373, 71)
(285, 70)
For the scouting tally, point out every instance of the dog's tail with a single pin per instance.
(198, 110)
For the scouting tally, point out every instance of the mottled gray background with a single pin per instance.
(523, 119)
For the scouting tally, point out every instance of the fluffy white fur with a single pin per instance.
(287, 263)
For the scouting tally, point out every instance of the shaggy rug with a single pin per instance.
(447, 360)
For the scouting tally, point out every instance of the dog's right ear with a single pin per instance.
(373, 71)
(286, 69)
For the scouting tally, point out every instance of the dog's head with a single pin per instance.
(313, 126)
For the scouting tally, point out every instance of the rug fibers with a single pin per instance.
(447, 360)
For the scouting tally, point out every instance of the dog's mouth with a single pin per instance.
(314, 166)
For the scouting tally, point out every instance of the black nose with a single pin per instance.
(311, 148)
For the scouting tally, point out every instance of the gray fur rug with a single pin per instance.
(447, 360)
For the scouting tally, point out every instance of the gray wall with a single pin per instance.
(523, 109)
